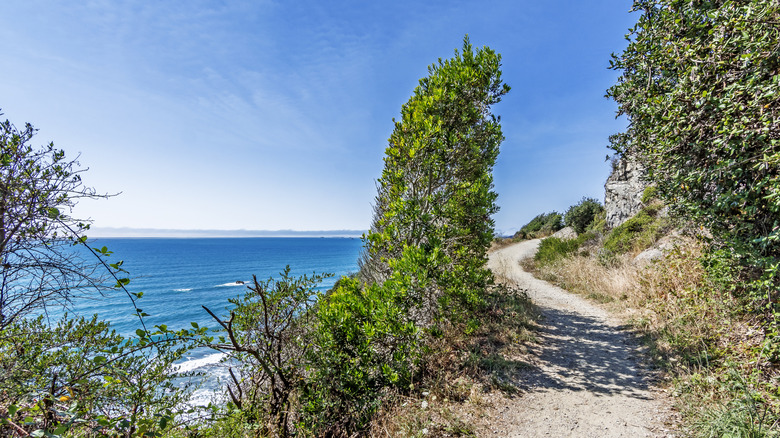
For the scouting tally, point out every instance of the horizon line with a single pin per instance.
(106, 232)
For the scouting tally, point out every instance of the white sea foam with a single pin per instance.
(183, 290)
(210, 390)
(194, 364)
(203, 396)
(230, 284)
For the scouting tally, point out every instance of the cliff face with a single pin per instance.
(623, 192)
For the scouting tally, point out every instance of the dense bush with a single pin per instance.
(426, 250)
(699, 85)
(599, 224)
(553, 248)
(267, 338)
(581, 215)
(649, 195)
(541, 226)
(423, 268)
(364, 343)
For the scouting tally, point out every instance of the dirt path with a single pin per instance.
(586, 379)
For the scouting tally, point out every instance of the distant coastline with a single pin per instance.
(105, 232)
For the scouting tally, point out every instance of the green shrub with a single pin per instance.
(583, 214)
(639, 232)
(363, 342)
(599, 224)
(78, 375)
(540, 226)
(552, 249)
(436, 188)
(268, 335)
(698, 86)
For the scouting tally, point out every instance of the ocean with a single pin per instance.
(178, 276)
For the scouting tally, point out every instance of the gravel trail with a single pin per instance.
(587, 378)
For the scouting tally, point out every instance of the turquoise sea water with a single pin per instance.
(178, 276)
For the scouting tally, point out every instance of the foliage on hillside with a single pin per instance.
(699, 84)
(436, 189)
(638, 232)
(542, 225)
(582, 215)
(424, 263)
(554, 248)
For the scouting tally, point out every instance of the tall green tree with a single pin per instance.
(435, 196)
(700, 84)
(425, 253)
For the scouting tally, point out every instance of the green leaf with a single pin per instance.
(122, 282)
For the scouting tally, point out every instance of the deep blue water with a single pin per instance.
(178, 276)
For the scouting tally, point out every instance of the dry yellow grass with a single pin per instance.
(584, 275)
(666, 295)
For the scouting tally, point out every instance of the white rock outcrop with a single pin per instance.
(623, 192)
(565, 233)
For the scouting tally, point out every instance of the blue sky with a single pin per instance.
(275, 115)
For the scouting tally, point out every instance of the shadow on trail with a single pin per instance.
(582, 353)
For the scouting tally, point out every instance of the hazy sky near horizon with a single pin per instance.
(275, 115)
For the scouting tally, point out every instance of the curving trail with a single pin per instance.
(587, 379)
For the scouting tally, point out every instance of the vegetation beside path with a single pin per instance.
(699, 85)
(705, 338)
